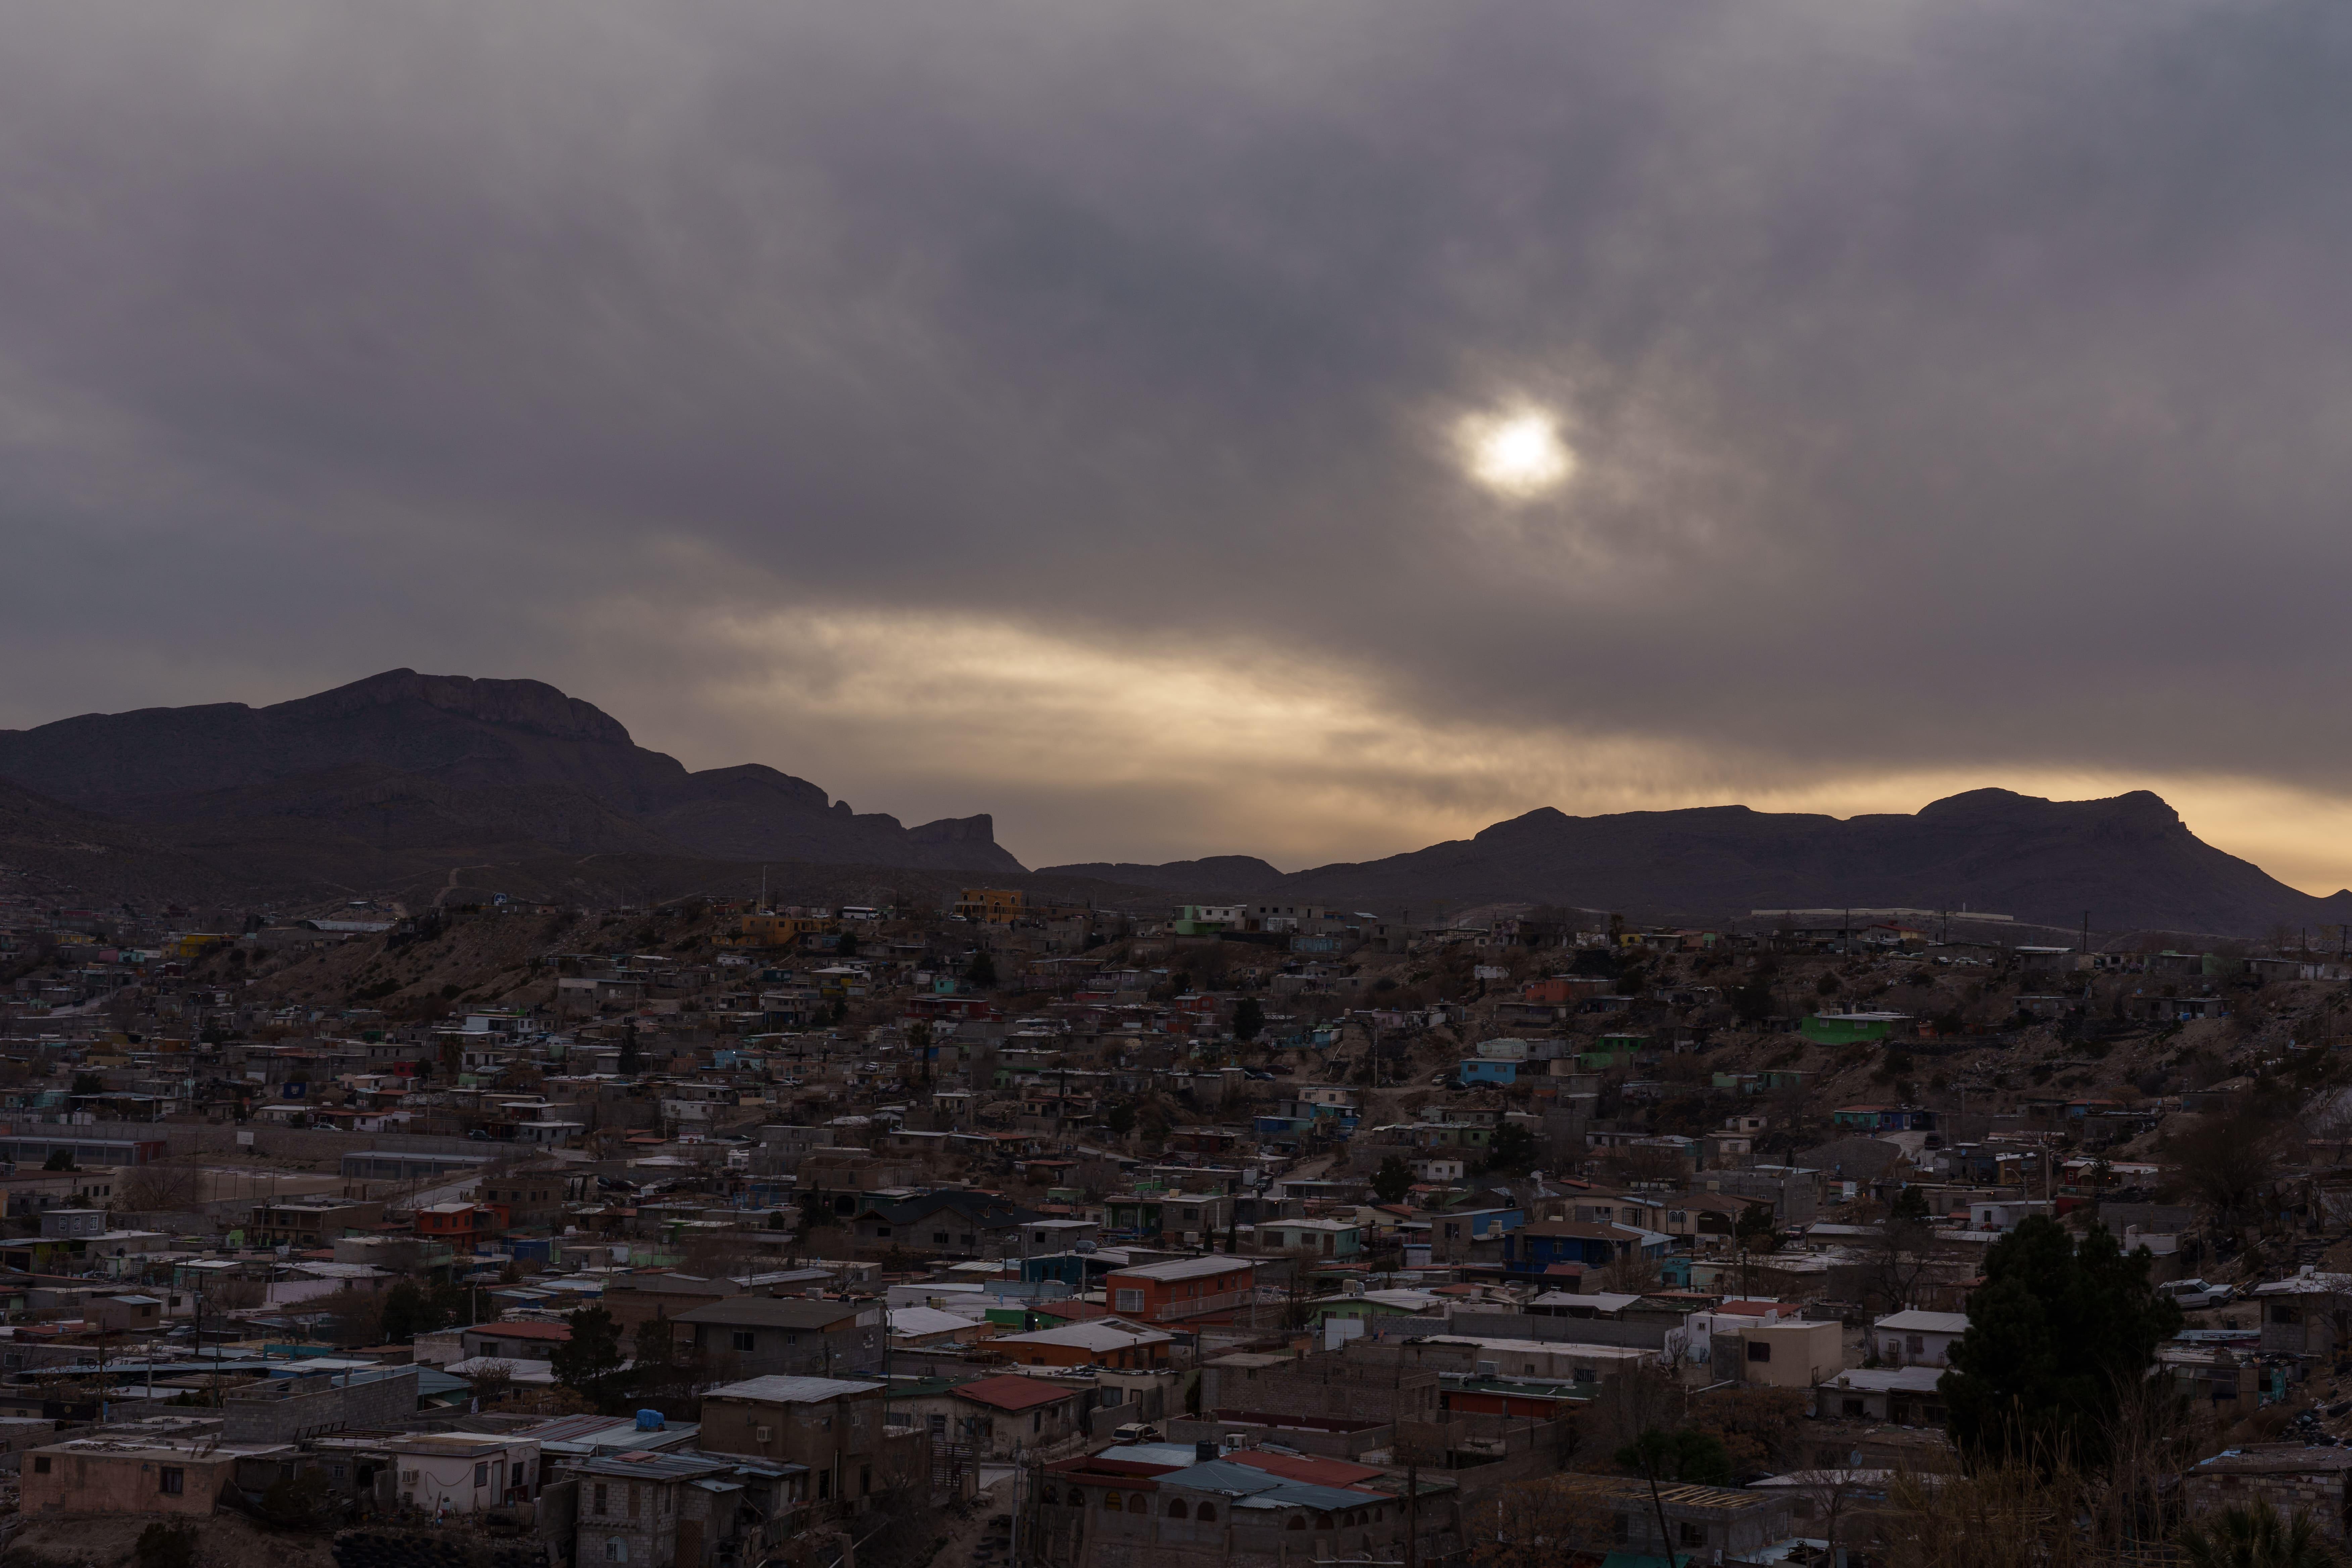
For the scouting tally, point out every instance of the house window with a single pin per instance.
(938, 1238)
(616, 1549)
(742, 1339)
(1916, 1345)
(1853, 1407)
(633, 1500)
(598, 1507)
(1176, 1508)
(481, 1475)
(1208, 1514)
(1759, 1350)
(1691, 1535)
(174, 1481)
(41, 1464)
(1131, 1301)
(1110, 1502)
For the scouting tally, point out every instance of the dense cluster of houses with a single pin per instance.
(1219, 1232)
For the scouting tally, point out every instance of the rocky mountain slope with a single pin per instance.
(373, 779)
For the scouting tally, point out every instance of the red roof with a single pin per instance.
(1298, 1468)
(1070, 1308)
(558, 1332)
(1013, 1393)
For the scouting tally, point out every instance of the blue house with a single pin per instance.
(1475, 1225)
(1537, 1248)
(1481, 1069)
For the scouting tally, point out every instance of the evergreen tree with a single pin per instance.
(1249, 1019)
(2056, 1332)
(406, 1314)
(1677, 1457)
(981, 970)
(1512, 1151)
(1392, 1181)
(590, 1361)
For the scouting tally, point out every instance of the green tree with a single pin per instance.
(59, 1159)
(2056, 1333)
(628, 1065)
(590, 1361)
(1122, 1119)
(847, 947)
(1512, 1151)
(1752, 1001)
(1675, 1456)
(406, 1314)
(1392, 1181)
(981, 973)
(88, 1083)
(1249, 1019)
(1752, 1233)
(2254, 1536)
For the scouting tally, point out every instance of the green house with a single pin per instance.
(1852, 1028)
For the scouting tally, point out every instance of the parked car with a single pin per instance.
(2191, 1294)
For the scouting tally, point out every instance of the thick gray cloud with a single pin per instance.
(1958, 389)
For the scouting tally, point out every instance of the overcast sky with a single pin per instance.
(1309, 429)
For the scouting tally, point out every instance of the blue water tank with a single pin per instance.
(649, 1420)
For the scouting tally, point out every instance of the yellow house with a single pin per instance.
(193, 944)
(775, 931)
(992, 906)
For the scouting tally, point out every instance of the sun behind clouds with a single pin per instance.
(1516, 452)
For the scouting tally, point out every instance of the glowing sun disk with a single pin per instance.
(1517, 453)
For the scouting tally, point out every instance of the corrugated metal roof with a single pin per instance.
(782, 1390)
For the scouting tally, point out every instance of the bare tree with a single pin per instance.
(493, 1381)
(2226, 1161)
(166, 1186)
(1538, 1524)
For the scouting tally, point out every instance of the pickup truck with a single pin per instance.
(2191, 1294)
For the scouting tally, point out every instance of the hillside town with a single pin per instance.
(998, 1231)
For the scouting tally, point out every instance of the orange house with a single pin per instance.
(1160, 1292)
(458, 1222)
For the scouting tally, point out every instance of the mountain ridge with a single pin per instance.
(2129, 860)
(401, 778)
(450, 766)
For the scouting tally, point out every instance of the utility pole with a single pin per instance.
(1013, 1547)
(1412, 1515)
